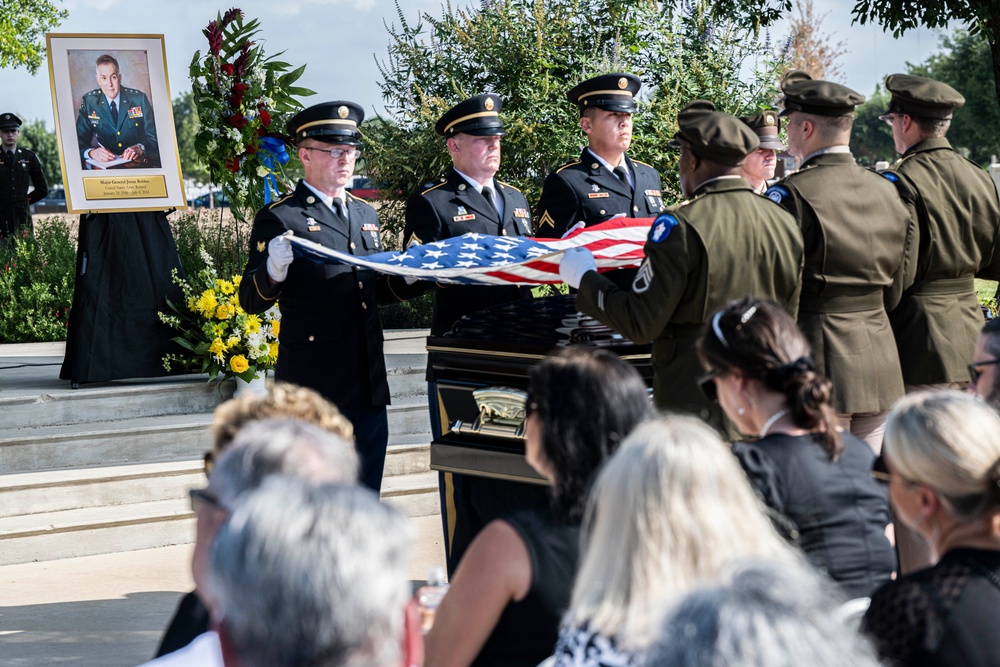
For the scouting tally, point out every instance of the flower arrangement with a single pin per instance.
(241, 96)
(219, 335)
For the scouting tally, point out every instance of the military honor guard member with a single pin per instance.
(859, 248)
(116, 122)
(331, 333)
(19, 168)
(722, 243)
(956, 206)
(758, 168)
(605, 182)
(469, 198)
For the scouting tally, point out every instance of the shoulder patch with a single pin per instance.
(776, 193)
(892, 176)
(662, 227)
(568, 164)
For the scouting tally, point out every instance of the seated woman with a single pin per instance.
(816, 476)
(942, 452)
(513, 583)
(668, 511)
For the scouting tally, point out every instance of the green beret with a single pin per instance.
(922, 97)
(713, 135)
(766, 126)
(823, 98)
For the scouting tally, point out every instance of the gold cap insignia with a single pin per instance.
(623, 83)
(488, 104)
(342, 112)
(768, 119)
(260, 246)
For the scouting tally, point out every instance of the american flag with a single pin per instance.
(479, 259)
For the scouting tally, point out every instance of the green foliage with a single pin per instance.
(531, 52)
(964, 63)
(413, 314)
(186, 126)
(223, 239)
(43, 143)
(871, 138)
(23, 24)
(36, 283)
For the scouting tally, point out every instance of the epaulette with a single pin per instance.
(568, 164)
(278, 201)
(645, 164)
(508, 185)
(132, 90)
(353, 196)
(434, 187)
(96, 91)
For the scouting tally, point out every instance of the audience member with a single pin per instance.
(942, 454)
(767, 616)
(667, 512)
(760, 369)
(270, 447)
(314, 576)
(983, 369)
(514, 582)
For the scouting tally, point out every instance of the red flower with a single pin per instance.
(227, 69)
(233, 164)
(231, 15)
(251, 149)
(241, 87)
(238, 121)
(236, 100)
(265, 118)
(261, 131)
(214, 36)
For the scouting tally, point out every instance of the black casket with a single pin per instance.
(481, 370)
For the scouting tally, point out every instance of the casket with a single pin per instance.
(481, 367)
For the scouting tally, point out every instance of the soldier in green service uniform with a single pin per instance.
(722, 243)
(759, 166)
(859, 244)
(956, 206)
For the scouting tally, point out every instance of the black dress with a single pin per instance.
(840, 512)
(123, 265)
(527, 630)
(943, 615)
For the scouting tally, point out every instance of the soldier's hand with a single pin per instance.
(279, 258)
(579, 225)
(134, 152)
(575, 263)
(101, 154)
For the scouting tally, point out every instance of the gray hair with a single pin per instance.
(768, 615)
(283, 447)
(312, 576)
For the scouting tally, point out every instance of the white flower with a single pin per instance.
(262, 171)
(212, 145)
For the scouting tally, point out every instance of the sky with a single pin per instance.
(341, 40)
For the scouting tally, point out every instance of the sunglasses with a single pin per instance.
(974, 371)
(707, 386)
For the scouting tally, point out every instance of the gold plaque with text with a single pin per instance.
(124, 187)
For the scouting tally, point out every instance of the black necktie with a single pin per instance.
(114, 113)
(338, 206)
(488, 193)
(622, 173)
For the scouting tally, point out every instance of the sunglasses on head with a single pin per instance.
(707, 386)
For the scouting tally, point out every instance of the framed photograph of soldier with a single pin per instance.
(114, 122)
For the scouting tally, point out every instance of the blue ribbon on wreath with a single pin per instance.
(271, 150)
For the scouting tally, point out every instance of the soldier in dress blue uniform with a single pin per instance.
(469, 198)
(604, 182)
(331, 333)
(18, 166)
(116, 122)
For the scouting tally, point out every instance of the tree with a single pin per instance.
(965, 64)
(530, 52)
(38, 139)
(23, 24)
(982, 17)
(186, 126)
(871, 138)
(812, 50)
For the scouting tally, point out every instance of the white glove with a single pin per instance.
(579, 225)
(575, 263)
(279, 258)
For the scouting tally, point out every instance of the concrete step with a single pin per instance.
(113, 528)
(407, 455)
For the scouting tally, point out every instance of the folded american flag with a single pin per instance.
(479, 259)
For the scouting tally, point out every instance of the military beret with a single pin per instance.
(9, 121)
(479, 116)
(331, 122)
(922, 97)
(823, 98)
(766, 125)
(713, 135)
(612, 92)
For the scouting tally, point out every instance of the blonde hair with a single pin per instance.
(283, 401)
(950, 441)
(667, 512)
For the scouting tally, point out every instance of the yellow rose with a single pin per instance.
(224, 286)
(253, 324)
(217, 347)
(276, 327)
(224, 311)
(239, 364)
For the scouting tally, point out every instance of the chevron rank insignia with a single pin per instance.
(546, 219)
(261, 246)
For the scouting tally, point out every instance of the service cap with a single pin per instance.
(766, 126)
(611, 92)
(331, 122)
(9, 121)
(822, 98)
(713, 135)
(479, 116)
(922, 97)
